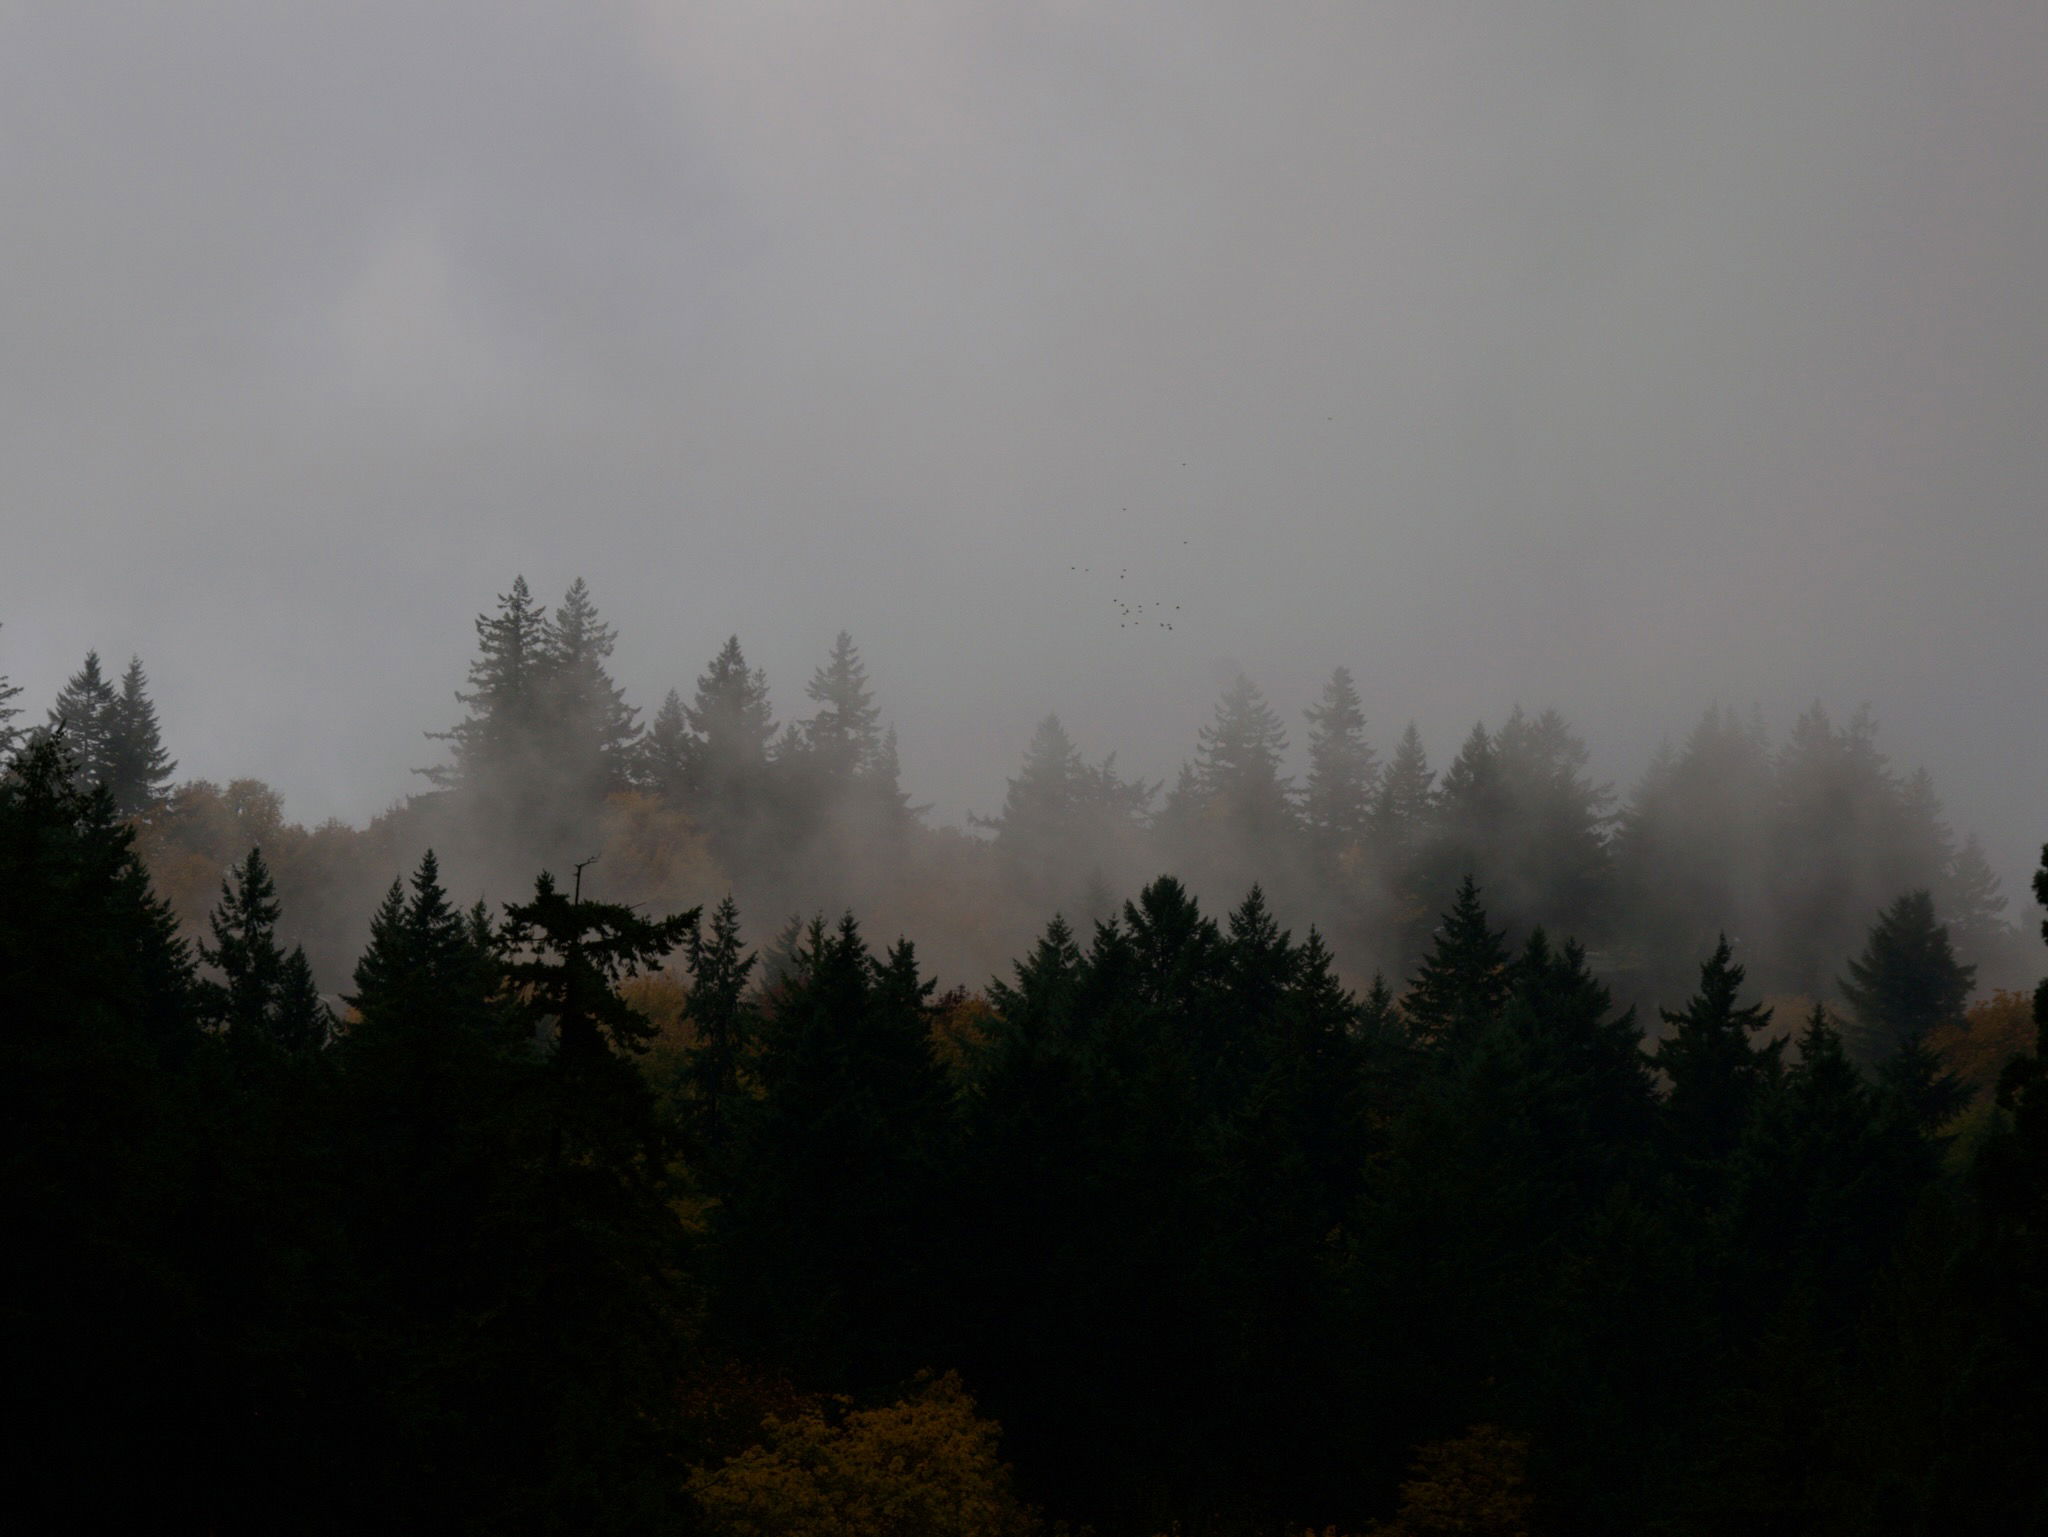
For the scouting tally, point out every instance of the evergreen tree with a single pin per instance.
(138, 770)
(1976, 907)
(1401, 815)
(10, 734)
(1464, 978)
(668, 752)
(1906, 982)
(1691, 847)
(1237, 765)
(827, 1234)
(1555, 842)
(883, 780)
(1042, 804)
(590, 727)
(1343, 771)
(723, 1017)
(732, 722)
(264, 996)
(1401, 809)
(1063, 817)
(569, 955)
(1716, 1073)
(500, 737)
(1842, 843)
(845, 734)
(99, 1301)
(1468, 818)
(85, 713)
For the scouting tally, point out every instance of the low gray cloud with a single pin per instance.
(1614, 357)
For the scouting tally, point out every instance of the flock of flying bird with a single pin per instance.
(1132, 613)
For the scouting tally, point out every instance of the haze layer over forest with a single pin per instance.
(1614, 359)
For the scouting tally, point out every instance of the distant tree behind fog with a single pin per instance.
(1791, 848)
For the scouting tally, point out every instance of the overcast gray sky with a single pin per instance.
(1619, 357)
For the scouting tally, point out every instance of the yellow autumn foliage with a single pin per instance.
(1471, 1486)
(924, 1466)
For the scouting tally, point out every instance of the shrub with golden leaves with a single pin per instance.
(1472, 1486)
(924, 1466)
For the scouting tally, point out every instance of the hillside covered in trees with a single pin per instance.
(615, 1202)
(1790, 846)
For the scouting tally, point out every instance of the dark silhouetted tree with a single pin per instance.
(1343, 770)
(1717, 1071)
(138, 770)
(1464, 979)
(263, 995)
(1907, 980)
(10, 734)
(84, 713)
(722, 1015)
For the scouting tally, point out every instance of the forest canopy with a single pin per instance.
(617, 1202)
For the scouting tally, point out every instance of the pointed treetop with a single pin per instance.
(138, 770)
(1464, 978)
(1343, 770)
(845, 733)
(1907, 980)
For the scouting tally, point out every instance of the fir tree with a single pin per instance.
(732, 721)
(1555, 839)
(1836, 843)
(1692, 845)
(500, 735)
(1976, 907)
(590, 728)
(723, 1018)
(883, 780)
(1906, 982)
(101, 1302)
(569, 955)
(1237, 764)
(1042, 804)
(1343, 771)
(1468, 817)
(827, 1233)
(263, 996)
(84, 713)
(1406, 797)
(10, 734)
(1464, 978)
(138, 770)
(668, 751)
(845, 734)
(1716, 1073)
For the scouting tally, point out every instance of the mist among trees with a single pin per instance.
(588, 1144)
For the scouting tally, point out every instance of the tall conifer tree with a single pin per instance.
(264, 996)
(138, 768)
(590, 728)
(845, 733)
(1464, 978)
(1906, 982)
(500, 736)
(84, 712)
(10, 734)
(667, 752)
(1716, 1073)
(1343, 770)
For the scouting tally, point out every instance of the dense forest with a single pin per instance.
(1398, 1151)
(1791, 847)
